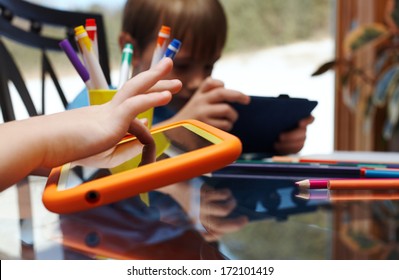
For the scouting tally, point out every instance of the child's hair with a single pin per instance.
(201, 23)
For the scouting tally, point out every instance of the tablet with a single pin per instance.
(262, 121)
(182, 150)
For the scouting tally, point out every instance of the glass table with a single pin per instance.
(235, 217)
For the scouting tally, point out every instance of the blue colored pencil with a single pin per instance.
(380, 173)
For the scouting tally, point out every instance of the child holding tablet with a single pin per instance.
(201, 26)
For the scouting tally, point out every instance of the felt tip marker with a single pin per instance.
(91, 28)
(173, 49)
(162, 42)
(126, 64)
(92, 64)
(77, 64)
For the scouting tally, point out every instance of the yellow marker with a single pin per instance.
(90, 58)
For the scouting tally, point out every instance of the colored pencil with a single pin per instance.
(347, 195)
(313, 195)
(380, 173)
(313, 184)
(335, 162)
(363, 184)
(311, 170)
(353, 184)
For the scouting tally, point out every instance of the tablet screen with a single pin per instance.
(129, 154)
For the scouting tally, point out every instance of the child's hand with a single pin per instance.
(292, 142)
(216, 206)
(95, 129)
(210, 104)
(52, 140)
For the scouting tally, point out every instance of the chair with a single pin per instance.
(39, 17)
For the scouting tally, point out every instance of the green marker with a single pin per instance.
(126, 64)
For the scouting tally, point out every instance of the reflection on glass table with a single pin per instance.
(222, 218)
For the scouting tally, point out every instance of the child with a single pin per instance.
(52, 140)
(201, 25)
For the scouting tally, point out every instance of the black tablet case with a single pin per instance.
(265, 118)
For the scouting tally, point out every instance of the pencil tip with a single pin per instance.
(303, 195)
(303, 183)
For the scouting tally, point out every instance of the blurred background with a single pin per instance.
(273, 47)
(253, 24)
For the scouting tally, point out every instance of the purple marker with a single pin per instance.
(73, 57)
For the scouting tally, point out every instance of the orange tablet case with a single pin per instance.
(225, 149)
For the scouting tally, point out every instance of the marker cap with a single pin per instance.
(173, 48)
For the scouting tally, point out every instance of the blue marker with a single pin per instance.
(173, 49)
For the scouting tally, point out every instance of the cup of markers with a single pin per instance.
(101, 96)
(91, 73)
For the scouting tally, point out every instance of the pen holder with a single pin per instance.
(101, 96)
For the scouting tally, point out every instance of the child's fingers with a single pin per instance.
(140, 103)
(223, 110)
(297, 134)
(210, 84)
(143, 81)
(140, 130)
(305, 122)
(289, 147)
(173, 86)
(149, 154)
(228, 95)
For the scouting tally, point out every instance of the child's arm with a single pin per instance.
(52, 140)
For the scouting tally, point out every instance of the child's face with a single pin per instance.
(191, 72)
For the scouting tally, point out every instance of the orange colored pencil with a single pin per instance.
(364, 195)
(363, 184)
